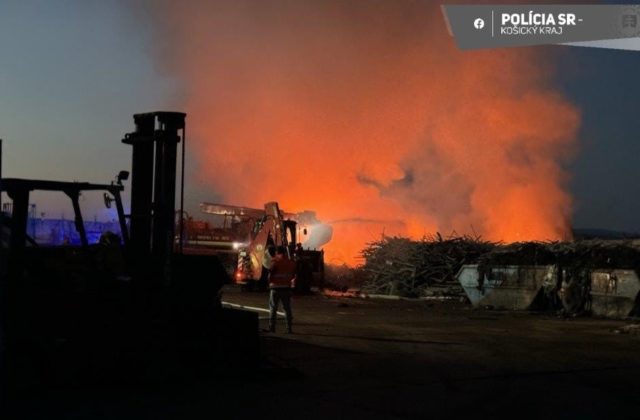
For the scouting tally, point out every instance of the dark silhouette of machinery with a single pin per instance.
(129, 308)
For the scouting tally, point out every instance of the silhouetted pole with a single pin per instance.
(1, 218)
(0, 179)
(3, 316)
(184, 145)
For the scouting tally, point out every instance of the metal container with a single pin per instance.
(614, 292)
(508, 287)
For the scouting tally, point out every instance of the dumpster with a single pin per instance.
(506, 287)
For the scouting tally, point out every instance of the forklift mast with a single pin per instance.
(153, 190)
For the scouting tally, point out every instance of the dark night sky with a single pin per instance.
(605, 185)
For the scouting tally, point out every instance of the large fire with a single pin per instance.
(366, 112)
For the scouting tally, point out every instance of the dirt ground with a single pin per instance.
(355, 358)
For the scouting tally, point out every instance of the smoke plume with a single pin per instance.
(365, 111)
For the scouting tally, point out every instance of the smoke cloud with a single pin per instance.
(366, 111)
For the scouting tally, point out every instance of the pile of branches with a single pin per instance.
(404, 267)
(587, 254)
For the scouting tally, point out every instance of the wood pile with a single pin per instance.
(595, 253)
(404, 267)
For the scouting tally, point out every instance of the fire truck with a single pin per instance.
(259, 229)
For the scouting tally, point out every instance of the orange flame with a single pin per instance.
(366, 112)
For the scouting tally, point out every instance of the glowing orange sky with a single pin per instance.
(367, 110)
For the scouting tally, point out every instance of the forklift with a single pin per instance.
(131, 308)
